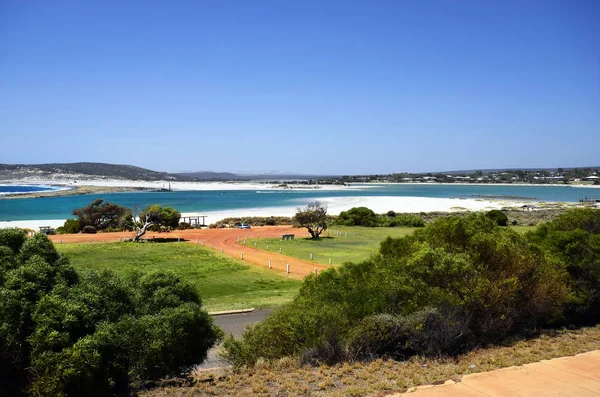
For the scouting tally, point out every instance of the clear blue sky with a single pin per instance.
(349, 87)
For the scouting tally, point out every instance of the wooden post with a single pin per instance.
(178, 239)
(221, 250)
(311, 258)
(242, 256)
(255, 243)
(203, 242)
(258, 235)
(238, 239)
(287, 268)
(280, 250)
(90, 239)
(269, 263)
(61, 240)
(267, 247)
(316, 272)
(196, 240)
(330, 261)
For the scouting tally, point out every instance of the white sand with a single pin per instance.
(174, 185)
(335, 205)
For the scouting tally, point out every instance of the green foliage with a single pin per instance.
(313, 217)
(459, 282)
(12, 238)
(498, 216)
(164, 218)
(357, 216)
(89, 230)
(402, 220)
(100, 214)
(362, 216)
(71, 226)
(101, 334)
(253, 221)
(573, 240)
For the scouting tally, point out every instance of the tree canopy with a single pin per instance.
(94, 334)
(459, 283)
(313, 217)
(100, 214)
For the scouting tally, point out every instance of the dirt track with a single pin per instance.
(225, 239)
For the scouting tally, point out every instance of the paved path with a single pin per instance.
(232, 324)
(225, 239)
(577, 376)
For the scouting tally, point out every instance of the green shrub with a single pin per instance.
(357, 216)
(391, 214)
(71, 226)
(89, 230)
(498, 216)
(404, 220)
(460, 282)
(184, 226)
(573, 240)
(96, 335)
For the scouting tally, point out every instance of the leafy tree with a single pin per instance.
(97, 334)
(313, 217)
(459, 283)
(71, 226)
(166, 217)
(100, 214)
(358, 216)
(498, 216)
(573, 239)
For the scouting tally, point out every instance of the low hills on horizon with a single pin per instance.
(91, 170)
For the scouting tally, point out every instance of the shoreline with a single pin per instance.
(335, 205)
(95, 186)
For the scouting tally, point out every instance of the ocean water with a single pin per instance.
(11, 189)
(216, 200)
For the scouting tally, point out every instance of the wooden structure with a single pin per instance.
(193, 220)
(287, 237)
(47, 230)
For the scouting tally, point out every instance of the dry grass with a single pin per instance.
(287, 377)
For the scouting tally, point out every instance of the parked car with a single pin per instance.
(243, 226)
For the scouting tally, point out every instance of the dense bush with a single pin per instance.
(498, 216)
(71, 226)
(363, 216)
(164, 218)
(402, 220)
(89, 230)
(184, 226)
(94, 335)
(253, 221)
(460, 282)
(100, 214)
(358, 216)
(573, 239)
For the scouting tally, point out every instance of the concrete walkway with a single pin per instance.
(577, 376)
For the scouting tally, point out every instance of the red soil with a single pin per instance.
(225, 239)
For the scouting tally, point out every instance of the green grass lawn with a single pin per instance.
(358, 245)
(523, 229)
(224, 283)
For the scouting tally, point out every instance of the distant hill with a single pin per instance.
(210, 176)
(84, 171)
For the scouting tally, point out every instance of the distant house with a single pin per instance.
(591, 178)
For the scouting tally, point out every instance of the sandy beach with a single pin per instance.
(335, 205)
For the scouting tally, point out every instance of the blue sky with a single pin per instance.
(345, 87)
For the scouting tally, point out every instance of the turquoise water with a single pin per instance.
(217, 200)
(11, 189)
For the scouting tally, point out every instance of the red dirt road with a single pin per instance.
(225, 239)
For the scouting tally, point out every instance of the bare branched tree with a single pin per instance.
(313, 217)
